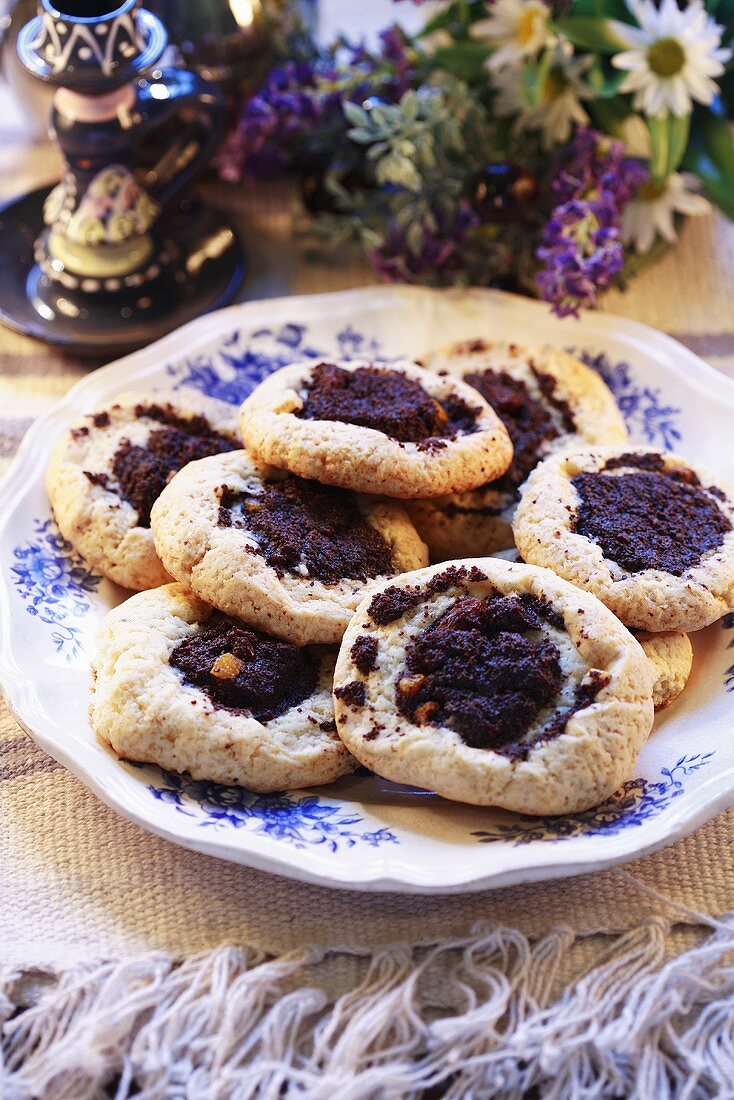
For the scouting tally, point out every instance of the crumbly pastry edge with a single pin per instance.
(671, 654)
(648, 600)
(364, 459)
(460, 525)
(144, 711)
(223, 566)
(572, 772)
(100, 525)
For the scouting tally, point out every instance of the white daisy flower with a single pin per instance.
(518, 28)
(672, 56)
(651, 211)
(555, 104)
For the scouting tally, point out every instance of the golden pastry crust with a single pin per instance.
(144, 710)
(563, 773)
(671, 654)
(646, 599)
(91, 514)
(581, 409)
(365, 459)
(225, 565)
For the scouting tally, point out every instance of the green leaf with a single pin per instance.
(465, 59)
(371, 239)
(720, 192)
(609, 114)
(414, 238)
(711, 156)
(605, 82)
(455, 17)
(409, 107)
(724, 13)
(355, 114)
(668, 141)
(590, 33)
(613, 9)
(718, 142)
(360, 135)
(533, 77)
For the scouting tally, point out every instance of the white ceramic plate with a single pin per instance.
(363, 832)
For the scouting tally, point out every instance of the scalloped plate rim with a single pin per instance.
(23, 699)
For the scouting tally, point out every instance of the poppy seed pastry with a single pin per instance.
(390, 429)
(548, 401)
(494, 684)
(107, 470)
(642, 529)
(178, 685)
(287, 555)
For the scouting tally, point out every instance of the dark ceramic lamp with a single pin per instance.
(113, 258)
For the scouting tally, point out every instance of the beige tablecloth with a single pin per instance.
(96, 915)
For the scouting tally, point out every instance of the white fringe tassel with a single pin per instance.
(468, 1020)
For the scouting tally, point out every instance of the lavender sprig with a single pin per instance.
(582, 252)
(286, 105)
(581, 248)
(438, 251)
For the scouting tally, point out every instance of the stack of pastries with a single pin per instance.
(288, 625)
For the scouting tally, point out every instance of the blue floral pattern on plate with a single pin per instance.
(647, 417)
(54, 582)
(243, 360)
(301, 822)
(635, 802)
(310, 821)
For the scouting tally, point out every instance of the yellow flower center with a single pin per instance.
(666, 57)
(650, 191)
(528, 24)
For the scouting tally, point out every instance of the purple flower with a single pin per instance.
(593, 162)
(441, 253)
(582, 251)
(394, 50)
(581, 247)
(295, 120)
(285, 108)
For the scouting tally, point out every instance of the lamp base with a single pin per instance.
(204, 271)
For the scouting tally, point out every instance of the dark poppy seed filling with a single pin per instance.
(548, 385)
(353, 694)
(380, 398)
(142, 473)
(486, 669)
(245, 671)
(364, 653)
(483, 669)
(393, 602)
(650, 518)
(528, 422)
(312, 529)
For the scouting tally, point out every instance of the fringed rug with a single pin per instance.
(478, 1017)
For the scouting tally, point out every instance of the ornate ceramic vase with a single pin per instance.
(124, 254)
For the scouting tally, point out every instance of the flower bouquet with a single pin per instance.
(547, 147)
